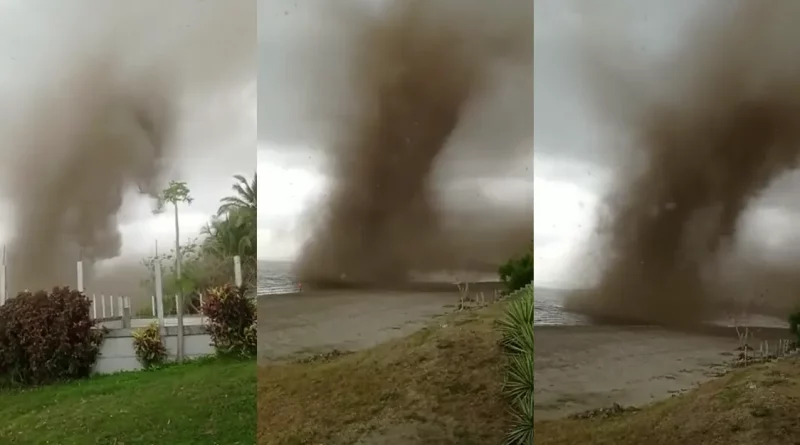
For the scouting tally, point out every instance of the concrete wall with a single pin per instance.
(117, 322)
(117, 353)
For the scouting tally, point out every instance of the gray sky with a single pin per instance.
(207, 47)
(290, 172)
(301, 48)
(573, 167)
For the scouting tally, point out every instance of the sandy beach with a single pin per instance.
(317, 321)
(580, 368)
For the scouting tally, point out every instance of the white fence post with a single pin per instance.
(94, 307)
(237, 270)
(179, 317)
(111, 305)
(159, 296)
(80, 276)
(153, 305)
(121, 305)
(3, 286)
(103, 304)
(126, 313)
(202, 315)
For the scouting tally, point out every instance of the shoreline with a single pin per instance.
(714, 330)
(581, 368)
(318, 321)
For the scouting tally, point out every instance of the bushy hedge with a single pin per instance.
(517, 343)
(518, 271)
(149, 347)
(231, 320)
(47, 337)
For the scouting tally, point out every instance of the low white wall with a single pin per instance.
(117, 353)
(116, 322)
(188, 320)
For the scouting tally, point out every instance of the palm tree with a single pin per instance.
(229, 235)
(232, 232)
(245, 198)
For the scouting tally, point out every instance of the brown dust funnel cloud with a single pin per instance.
(417, 69)
(106, 139)
(99, 122)
(721, 123)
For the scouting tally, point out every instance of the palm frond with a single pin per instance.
(519, 377)
(516, 328)
(521, 432)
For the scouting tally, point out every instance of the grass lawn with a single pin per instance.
(757, 405)
(210, 401)
(438, 386)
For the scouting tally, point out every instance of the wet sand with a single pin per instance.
(579, 368)
(315, 321)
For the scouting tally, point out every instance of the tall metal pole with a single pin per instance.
(80, 270)
(4, 284)
(179, 296)
(177, 252)
(159, 294)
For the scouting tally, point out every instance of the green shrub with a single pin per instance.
(231, 320)
(144, 312)
(517, 272)
(149, 348)
(516, 328)
(794, 325)
(47, 337)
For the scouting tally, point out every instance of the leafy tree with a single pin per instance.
(794, 325)
(200, 271)
(208, 262)
(230, 235)
(518, 271)
(233, 231)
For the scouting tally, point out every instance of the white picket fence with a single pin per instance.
(154, 301)
(105, 306)
(114, 312)
(109, 306)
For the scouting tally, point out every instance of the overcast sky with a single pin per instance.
(301, 46)
(572, 170)
(290, 171)
(210, 49)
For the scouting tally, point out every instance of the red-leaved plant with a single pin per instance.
(47, 337)
(231, 320)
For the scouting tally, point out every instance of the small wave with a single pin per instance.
(275, 278)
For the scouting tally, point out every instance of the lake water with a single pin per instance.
(548, 308)
(275, 277)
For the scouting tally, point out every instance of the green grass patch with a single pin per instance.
(208, 401)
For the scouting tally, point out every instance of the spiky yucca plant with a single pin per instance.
(517, 343)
